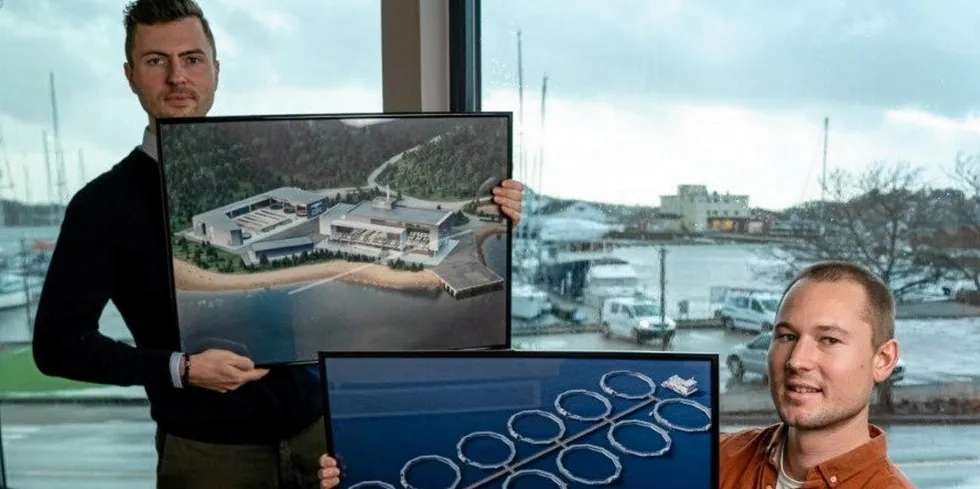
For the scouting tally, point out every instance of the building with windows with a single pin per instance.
(381, 223)
(701, 210)
(272, 250)
(232, 225)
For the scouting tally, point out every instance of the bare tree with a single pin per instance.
(870, 218)
(956, 244)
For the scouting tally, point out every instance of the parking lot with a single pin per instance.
(934, 351)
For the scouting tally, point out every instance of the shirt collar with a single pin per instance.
(149, 145)
(840, 468)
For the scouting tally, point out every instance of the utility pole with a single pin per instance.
(663, 283)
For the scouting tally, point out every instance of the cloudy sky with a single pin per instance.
(642, 96)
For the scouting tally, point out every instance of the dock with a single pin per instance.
(467, 278)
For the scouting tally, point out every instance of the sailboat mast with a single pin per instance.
(522, 158)
(81, 167)
(59, 155)
(47, 164)
(823, 172)
(823, 184)
(541, 138)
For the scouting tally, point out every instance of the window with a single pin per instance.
(777, 135)
(282, 57)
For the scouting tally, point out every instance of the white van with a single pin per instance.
(749, 310)
(635, 318)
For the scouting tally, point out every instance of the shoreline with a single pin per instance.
(190, 278)
(482, 234)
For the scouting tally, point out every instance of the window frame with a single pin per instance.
(431, 55)
(465, 60)
(415, 55)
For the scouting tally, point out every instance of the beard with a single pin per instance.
(190, 105)
(817, 414)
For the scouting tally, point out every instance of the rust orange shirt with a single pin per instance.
(748, 460)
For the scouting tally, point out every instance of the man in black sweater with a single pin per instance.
(221, 421)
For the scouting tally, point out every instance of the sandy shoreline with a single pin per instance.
(191, 278)
(188, 277)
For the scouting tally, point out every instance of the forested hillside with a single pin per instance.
(461, 165)
(210, 165)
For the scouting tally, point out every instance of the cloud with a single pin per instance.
(880, 54)
(632, 151)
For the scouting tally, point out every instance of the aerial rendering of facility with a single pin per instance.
(288, 221)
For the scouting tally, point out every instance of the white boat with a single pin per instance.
(528, 302)
(607, 280)
(15, 290)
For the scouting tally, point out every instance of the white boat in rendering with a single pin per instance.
(684, 387)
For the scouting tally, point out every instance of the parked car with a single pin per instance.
(753, 358)
(635, 318)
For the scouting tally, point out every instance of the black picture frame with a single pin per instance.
(362, 402)
(411, 331)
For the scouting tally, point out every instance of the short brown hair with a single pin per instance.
(151, 12)
(880, 310)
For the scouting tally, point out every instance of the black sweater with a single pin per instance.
(112, 246)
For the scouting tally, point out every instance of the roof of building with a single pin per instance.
(612, 271)
(282, 243)
(412, 215)
(295, 195)
(218, 218)
(337, 211)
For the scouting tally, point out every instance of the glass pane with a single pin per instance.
(66, 58)
(717, 147)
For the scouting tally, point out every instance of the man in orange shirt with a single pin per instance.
(833, 341)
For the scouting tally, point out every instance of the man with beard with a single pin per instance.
(221, 421)
(832, 342)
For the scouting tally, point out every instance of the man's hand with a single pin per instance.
(222, 370)
(329, 473)
(509, 195)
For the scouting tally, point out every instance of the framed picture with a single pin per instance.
(487, 419)
(290, 235)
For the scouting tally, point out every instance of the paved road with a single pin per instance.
(109, 447)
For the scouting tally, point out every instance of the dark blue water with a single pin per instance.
(377, 425)
(272, 326)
